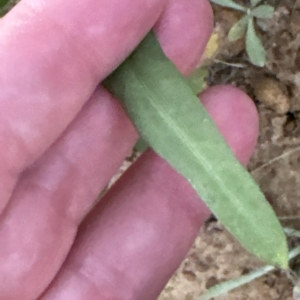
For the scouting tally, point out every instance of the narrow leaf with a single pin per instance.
(225, 287)
(254, 47)
(172, 120)
(262, 11)
(291, 232)
(230, 4)
(6, 5)
(3, 3)
(294, 252)
(238, 29)
(255, 2)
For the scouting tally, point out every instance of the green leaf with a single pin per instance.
(225, 287)
(3, 3)
(255, 2)
(238, 29)
(230, 4)
(197, 80)
(141, 145)
(7, 5)
(254, 47)
(262, 11)
(172, 120)
(291, 232)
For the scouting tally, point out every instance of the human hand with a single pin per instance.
(62, 138)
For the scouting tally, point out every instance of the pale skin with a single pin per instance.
(62, 137)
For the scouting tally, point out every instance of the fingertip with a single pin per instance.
(236, 117)
(184, 30)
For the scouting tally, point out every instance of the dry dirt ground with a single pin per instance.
(216, 256)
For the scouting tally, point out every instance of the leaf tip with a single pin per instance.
(281, 258)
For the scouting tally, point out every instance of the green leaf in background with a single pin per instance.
(238, 29)
(197, 80)
(225, 287)
(263, 11)
(254, 47)
(6, 5)
(254, 2)
(230, 4)
(173, 121)
(3, 3)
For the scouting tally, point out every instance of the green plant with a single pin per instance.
(225, 287)
(6, 5)
(197, 83)
(171, 119)
(245, 25)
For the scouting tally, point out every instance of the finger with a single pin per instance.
(133, 241)
(38, 226)
(67, 49)
(57, 191)
(183, 23)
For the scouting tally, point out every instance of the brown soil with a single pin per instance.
(216, 256)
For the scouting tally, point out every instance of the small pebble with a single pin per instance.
(268, 91)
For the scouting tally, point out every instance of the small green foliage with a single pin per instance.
(230, 4)
(225, 287)
(7, 5)
(262, 12)
(255, 2)
(238, 29)
(254, 47)
(291, 232)
(3, 3)
(245, 25)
